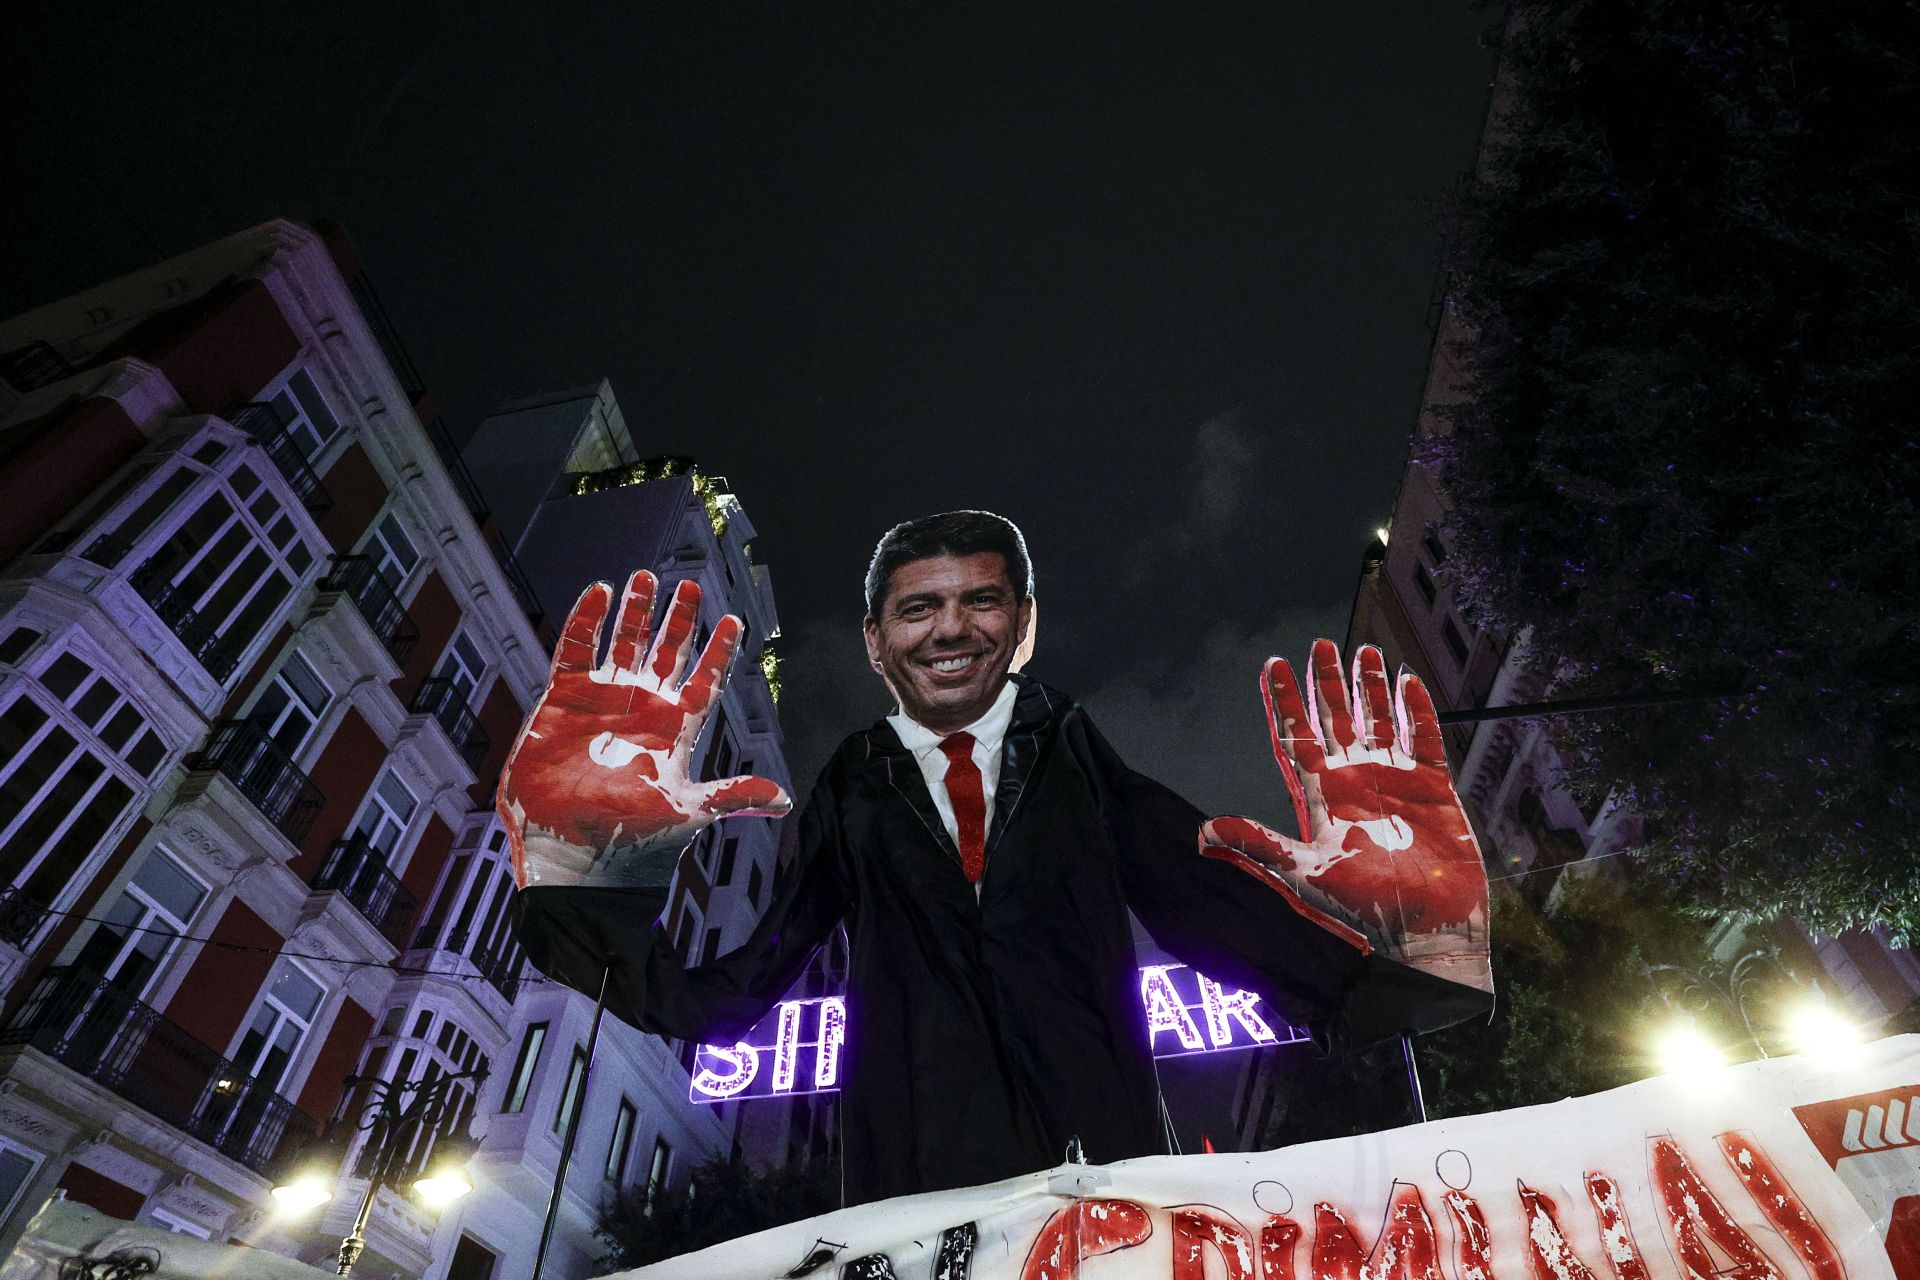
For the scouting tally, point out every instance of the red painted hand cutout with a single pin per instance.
(1387, 858)
(597, 789)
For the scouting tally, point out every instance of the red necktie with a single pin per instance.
(967, 792)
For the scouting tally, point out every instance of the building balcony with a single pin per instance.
(517, 579)
(502, 973)
(92, 1027)
(356, 578)
(441, 699)
(358, 872)
(262, 424)
(170, 601)
(264, 773)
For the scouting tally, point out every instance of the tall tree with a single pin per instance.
(1687, 455)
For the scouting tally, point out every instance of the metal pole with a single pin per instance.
(1413, 1078)
(573, 1126)
(356, 1241)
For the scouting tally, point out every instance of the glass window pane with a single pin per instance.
(120, 730)
(244, 481)
(65, 675)
(300, 676)
(147, 753)
(394, 792)
(299, 993)
(175, 891)
(318, 411)
(93, 704)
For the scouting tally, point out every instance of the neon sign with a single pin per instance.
(796, 1048)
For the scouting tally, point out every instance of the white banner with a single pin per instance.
(68, 1241)
(1779, 1170)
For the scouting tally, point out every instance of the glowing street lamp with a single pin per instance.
(1686, 1053)
(1820, 1032)
(393, 1114)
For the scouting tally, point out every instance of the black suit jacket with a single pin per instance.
(985, 1034)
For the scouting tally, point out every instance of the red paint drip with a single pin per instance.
(1406, 1249)
(1616, 1232)
(1787, 1212)
(1552, 1257)
(1085, 1229)
(1696, 1218)
(1473, 1243)
(1277, 1240)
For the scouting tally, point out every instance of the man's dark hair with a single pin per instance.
(952, 533)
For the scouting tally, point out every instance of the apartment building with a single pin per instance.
(260, 667)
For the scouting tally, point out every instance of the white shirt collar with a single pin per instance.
(989, 730)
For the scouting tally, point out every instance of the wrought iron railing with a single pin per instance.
(502, 972)
(357, 578)
(518, 580)
(172, 603)
(262, 423)
(103, 1033)
(457, 468)
(358, 872)
(441, 698)
(21, 915)
(243, 753)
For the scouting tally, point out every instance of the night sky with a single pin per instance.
(1154, 286)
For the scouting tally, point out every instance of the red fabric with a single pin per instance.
(967, 791)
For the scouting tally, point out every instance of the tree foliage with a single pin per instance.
(724, 1199)
(1687, 457)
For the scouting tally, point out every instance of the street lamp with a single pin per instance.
(1812, 1026)
(393, 1115)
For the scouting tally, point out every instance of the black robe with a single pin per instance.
(983, 1035)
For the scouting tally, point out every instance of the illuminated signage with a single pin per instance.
(796, 1048)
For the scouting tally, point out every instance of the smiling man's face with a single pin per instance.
(946, 635)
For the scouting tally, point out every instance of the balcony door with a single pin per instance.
(386, 815)
(463, 668)
(140, 930)
(291, 704)
(279, 1026)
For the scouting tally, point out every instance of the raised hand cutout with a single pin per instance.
(597, 789)
(1387, 858)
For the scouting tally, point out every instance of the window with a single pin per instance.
(659, 1170)
(1456, 643)
(570, 1096)
(471, 1261)
(622, 1143)
(389, 809)
(754, 883)
(1436, 549)
(139, 929)
(304, 412)
(712, 946)
(17, 1167)
(58, 800)
(279, 1026)
(521, 1081)
(391, 551)
(463, 666)
(231, 562)
(100, 705)
(18, 644)
(727, 852)
(1424, 580)
(291, 704)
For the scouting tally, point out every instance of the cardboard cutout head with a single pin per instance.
(949, 613)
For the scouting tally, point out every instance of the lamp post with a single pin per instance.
(392, 1114)
(1809, 1024)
